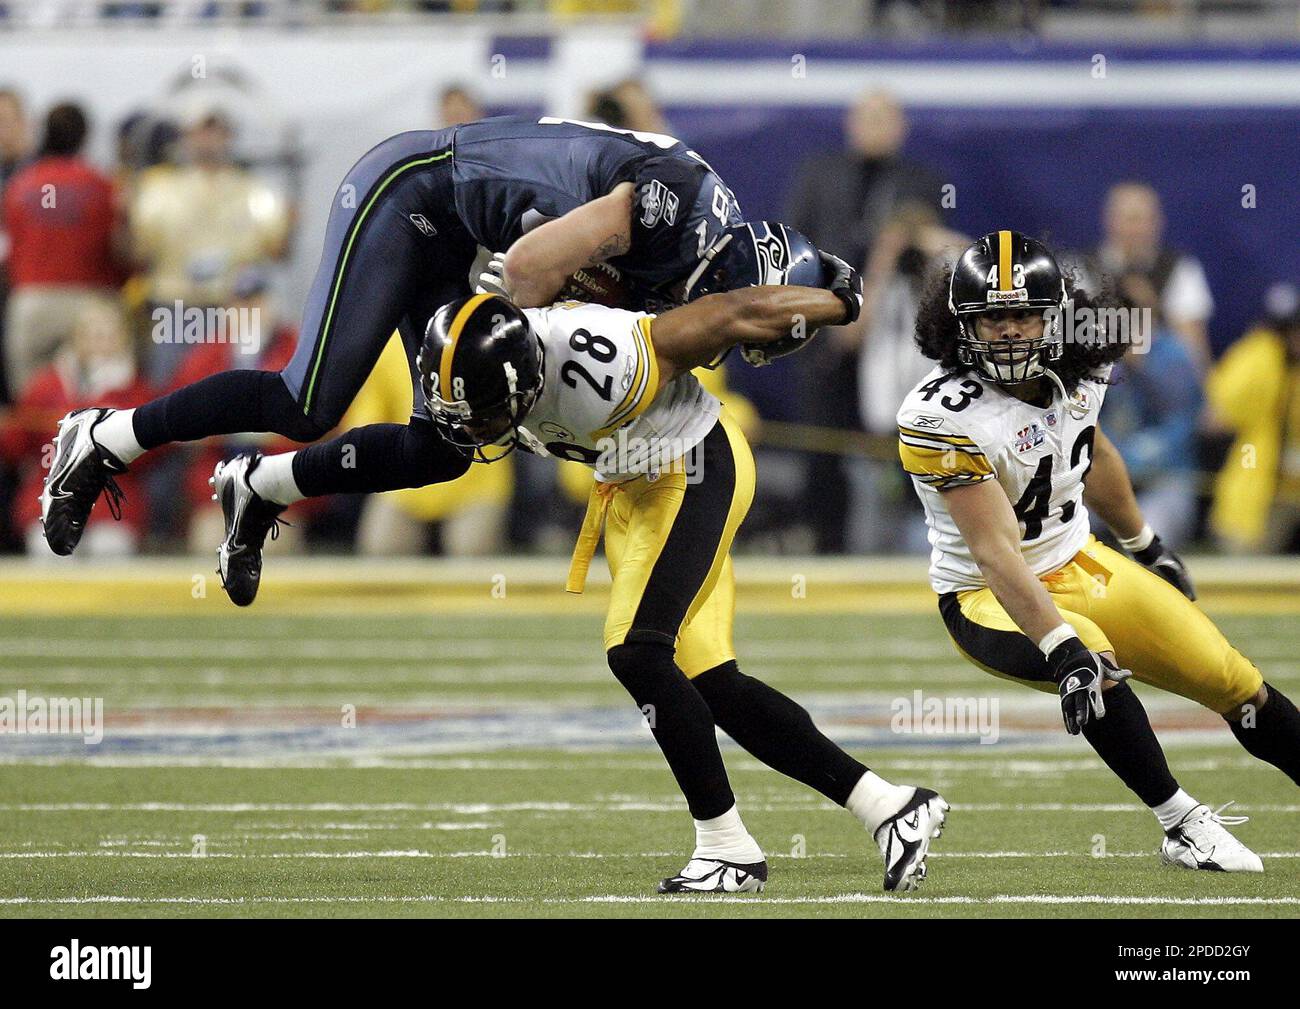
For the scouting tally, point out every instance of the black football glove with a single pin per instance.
(845, 283)
(1168, 565)
(1079, 675)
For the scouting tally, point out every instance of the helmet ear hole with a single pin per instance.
(480, 368)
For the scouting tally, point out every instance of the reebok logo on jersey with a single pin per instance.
(922, 421)
(658, 202)
(1080, 398)
(1029, 437)
(422, 222)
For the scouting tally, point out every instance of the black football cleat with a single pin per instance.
(248, 520)
(905, 838)
(711, 875)
(82, 470)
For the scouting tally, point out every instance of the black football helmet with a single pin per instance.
(481, 370)
(1007, 271)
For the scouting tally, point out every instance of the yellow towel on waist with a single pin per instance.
(593, 525)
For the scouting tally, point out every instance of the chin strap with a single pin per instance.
(1076, 411)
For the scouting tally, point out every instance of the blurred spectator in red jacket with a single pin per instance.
(256, 337)
(95, 368)
(15, 146)
(63, 232)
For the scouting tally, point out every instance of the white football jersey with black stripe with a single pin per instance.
(963, 429)
(601, 403)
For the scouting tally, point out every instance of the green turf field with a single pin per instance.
(479, 766)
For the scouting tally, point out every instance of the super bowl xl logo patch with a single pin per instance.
(1029, 437)
(658, 202)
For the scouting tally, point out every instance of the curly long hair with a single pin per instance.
(937, 331)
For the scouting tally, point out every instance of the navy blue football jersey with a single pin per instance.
(512, 173)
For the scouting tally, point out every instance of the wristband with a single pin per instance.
(1055, 638)
(1141, 541)
(852, 307)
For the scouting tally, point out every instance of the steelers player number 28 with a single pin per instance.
(1032, 508)
(602, 351)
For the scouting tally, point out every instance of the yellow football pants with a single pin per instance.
(1115, 605)
(668, 544)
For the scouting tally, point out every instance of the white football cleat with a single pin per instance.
(711, 875)
(905, 838)
(1200, 841)
(81, 471)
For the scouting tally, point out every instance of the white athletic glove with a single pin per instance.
(493, 278)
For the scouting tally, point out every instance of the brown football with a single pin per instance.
(601, 284)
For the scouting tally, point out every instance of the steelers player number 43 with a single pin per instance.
(1034, 504)
(969, 391)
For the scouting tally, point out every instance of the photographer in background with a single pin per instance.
(1133, 223)
(912, 243)
(1151, 414)
(842, 202)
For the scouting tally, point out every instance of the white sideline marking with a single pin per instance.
(848, 898)
(619, 805)
(114, 852)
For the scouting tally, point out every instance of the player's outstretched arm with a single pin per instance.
(695, 334)
(1108, 491)
(990, 528)
(988, 524)
(540, 262)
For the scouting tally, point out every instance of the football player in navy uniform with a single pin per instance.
(405, 231)
(674, 479)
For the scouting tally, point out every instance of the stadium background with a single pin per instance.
(1027, 128)
(479, 691)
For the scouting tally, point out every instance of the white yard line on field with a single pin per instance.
(619, 805)
(755, 899)
(114, 852)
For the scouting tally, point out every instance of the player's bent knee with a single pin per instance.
(302, 428)
(632, 661)
(428, 457)
(726, 676)
(1252, 704)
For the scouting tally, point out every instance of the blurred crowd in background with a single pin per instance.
(102, 265)
(696, 17)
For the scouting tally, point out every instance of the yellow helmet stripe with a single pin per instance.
(453, 334)
(1004, 261)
